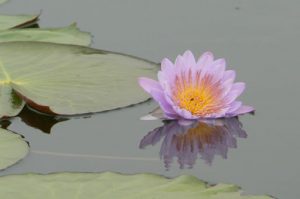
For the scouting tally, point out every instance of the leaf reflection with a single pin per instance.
(40, 121)
(188, 140)
(34, 119)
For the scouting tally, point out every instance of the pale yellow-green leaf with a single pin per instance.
(3, 1)
(113, 186)
(12, 148)
(67, 35)
(18, 21)
(10, 102)
(72, 79)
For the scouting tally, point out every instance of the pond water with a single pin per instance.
(258, 38)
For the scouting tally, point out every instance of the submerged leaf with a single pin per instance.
(67, 35)
(68, 79)
(19, 21)
(12, 148)
(112, 185)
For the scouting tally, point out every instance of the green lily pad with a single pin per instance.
(112, 185)
(3, 1)
(12, 148)
(19, 21)
(67, 35)
(68, 79)
(10, 102)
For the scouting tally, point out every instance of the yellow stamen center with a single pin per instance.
(194, 99)
(200, 97)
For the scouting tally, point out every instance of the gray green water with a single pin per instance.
(259, 39)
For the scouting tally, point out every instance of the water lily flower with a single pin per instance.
(190, 89)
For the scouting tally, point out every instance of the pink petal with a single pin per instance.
(229, 75)
(167, 72)
(167, 67)
(180, 66)
(155, 90)
(179, 62)
(243, 110)
(219, 114)
(228, 79)
(189, 58)
(149, 84)
(206, 59)
(218, 69)
(236, 90)
(184, 113)
(165, 106)
(234, 106)
(163, 79)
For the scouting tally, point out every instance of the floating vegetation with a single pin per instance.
(112, 185)
(68, 79)
(67, 35)
(19, 21)
(13, 148)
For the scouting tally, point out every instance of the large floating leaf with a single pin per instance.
(112, 185)
(3, 1)
(10, 102)
(19, 21)
(67, 79)
(12, 148)
(67, 35)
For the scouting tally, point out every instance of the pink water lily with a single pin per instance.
(191, 89)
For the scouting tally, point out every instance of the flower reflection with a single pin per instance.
(188, 140)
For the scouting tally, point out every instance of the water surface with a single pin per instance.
(258, 38)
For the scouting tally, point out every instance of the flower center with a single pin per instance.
(200, 97)
(193, 99)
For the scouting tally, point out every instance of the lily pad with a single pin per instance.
(113, 185)
(68, 79)
(12, 148)
(10, 102)
(19, 21)
(3, 1)
(67, 35)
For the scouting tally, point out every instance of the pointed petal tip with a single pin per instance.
(221, 61)
(188, 53)
(208, 53)
(244, 110)
(239, 87)
(148, 84)
(205, 59)
(166, 62)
